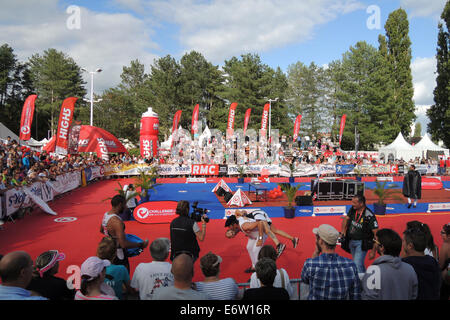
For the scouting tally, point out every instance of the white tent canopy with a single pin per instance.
(5, 132)
(205, 135)
(399, 149)
(426, 144)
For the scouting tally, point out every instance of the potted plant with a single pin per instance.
(383, 193)
(292, 169)
(241, 170)
(146, 182)
(290, 191)
(358, 173)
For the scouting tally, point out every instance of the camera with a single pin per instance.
(197, 214)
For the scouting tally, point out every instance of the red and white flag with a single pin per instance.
(65, 120)
(176, 120)
(298, 120)
(27, 117)
(231, 117)
(265, 119)
(247, 119)
(194, 125)
(341, 130)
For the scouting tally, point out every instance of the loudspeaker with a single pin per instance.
(220, 191)
(227, 196)
(303, 201)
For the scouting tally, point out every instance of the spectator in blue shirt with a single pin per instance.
(330, 276)
(16, 271)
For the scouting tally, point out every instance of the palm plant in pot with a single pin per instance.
(290, 191)
(383, 193)
(241, 171)
(146, 182)
(292, 169)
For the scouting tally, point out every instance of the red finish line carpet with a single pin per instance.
(78, 237)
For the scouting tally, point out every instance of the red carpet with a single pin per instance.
(78, 239)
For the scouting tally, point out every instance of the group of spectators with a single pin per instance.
(21, 166)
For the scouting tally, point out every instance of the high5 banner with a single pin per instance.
(65, 120)
(194, 125)
(27, 118)
(231, 117)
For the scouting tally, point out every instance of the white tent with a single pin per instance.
(398, 149)
(5, 132)
(205, 135)
(426, 144)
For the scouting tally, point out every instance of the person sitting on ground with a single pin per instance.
(16, 271)
(117, 276)
(389, 278)
(281, 279)
(93, 272)
(148, 278)
(218, 289)
(44, 282)
(266, 271)
(330, 276)
(426, 267)
(183, 272)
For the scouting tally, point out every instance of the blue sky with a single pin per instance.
(111, 33)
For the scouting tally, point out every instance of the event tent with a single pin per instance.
(5, 132)
(93, 139)
(398, 149)
(425, 144)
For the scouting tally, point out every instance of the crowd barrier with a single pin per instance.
(303, 170)
(40, 193)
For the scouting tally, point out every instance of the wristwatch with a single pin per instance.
(260, 238)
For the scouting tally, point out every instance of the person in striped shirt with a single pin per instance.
(330, 276)
(218, 289)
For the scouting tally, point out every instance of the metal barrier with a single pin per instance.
(302, 289)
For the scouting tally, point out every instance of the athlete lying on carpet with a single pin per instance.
(256, 226)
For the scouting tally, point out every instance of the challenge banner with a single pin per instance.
(298, 120)
(27, 118)
(247, 119)
(194, 125)
(341, 129)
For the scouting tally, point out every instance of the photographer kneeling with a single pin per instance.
(184, 232)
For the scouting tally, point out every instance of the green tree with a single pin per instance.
(417, 130)
(15, 87)
(56, 77)
(439, 112)
(398, 46)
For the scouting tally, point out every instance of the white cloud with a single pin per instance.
(424, 80)
(422, 8)
(220, 29)
(104, 40)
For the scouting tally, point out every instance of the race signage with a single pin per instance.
(205, 169)
(155, 212)
(438, 206)
(329, 210)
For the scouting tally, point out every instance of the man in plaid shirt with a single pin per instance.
(330, 276)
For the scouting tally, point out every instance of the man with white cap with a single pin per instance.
(330, 276)
(93, 272)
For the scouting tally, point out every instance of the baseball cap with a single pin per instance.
(93, 267)
(327, 233)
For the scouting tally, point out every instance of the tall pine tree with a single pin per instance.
(439, 113)
(397, 43)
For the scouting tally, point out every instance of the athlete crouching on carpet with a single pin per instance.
(256, 227)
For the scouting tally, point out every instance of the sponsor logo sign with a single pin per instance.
(329, 210)
(205, 169)
(431, 184)
(156, 212)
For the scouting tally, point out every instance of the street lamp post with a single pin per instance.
(270, 113)
(92, 92)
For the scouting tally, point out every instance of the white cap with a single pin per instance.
(93, 267)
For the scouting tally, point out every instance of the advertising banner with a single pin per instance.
(231, 118)
(345, 168)
(65, 120)
(205, 169)
(27, 117)
(156, 212)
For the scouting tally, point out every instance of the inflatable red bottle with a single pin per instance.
(149, 134)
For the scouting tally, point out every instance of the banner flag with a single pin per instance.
(176, 120)
(247, 119)
(194, 125)
(27, 117)
(298, 120)
(231, 117)
(65, 120)
(341, 130)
